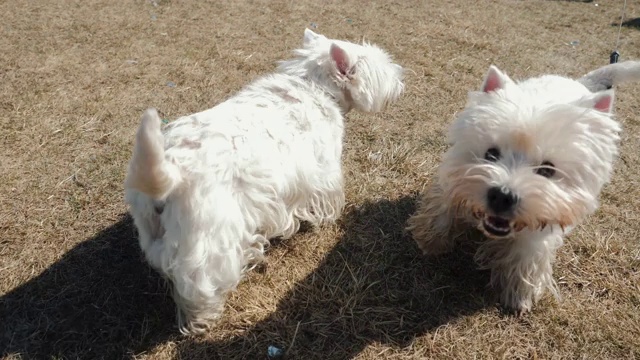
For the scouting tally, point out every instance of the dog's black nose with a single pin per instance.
(501, 200)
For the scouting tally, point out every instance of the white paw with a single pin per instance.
(518, 305)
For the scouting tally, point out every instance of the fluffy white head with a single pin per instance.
(530, 154)
(358, 76)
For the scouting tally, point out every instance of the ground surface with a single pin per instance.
(75, 77)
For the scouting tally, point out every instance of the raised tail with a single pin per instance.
(610, 75)
(149, 171)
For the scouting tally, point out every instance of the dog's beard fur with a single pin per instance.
(209, 191)
(546, 147)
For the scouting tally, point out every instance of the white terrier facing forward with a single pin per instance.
(209, 190)
(526, 164)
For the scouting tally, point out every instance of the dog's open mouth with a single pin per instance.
(496, 225)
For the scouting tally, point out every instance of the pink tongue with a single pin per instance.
(498, 222)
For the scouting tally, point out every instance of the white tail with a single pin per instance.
(149, 171)
(610, 75)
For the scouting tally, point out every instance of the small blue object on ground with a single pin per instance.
(275, 352)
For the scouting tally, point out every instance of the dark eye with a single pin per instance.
(546, 169)
(492, 154)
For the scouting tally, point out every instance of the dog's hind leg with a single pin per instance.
(208, 246)
(431, 224)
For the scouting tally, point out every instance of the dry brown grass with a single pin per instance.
(76, 75)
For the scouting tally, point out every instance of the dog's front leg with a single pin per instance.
(324, 200)
(431, 224)
(522, 267)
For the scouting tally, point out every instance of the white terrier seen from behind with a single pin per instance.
(526, 164)
(209, 190)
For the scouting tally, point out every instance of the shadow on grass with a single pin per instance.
(372, 287)
(100, 301)
(631, 23)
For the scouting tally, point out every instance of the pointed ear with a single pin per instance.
(601, 101)
(309, 36)
(494, 80)
(341, 60)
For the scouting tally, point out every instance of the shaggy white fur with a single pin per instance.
(209, 190)
(526, 164)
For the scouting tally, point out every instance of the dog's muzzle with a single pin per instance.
(501, 202)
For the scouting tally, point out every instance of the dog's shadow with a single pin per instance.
(374, 286)
(100, 301)
(631, 23)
